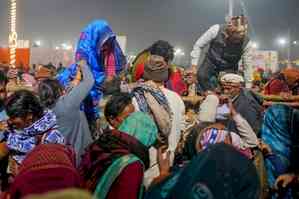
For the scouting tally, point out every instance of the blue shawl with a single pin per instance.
(277, 133)
(91, 40)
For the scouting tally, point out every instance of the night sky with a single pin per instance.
(180, 22)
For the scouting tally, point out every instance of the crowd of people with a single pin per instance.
(163, 131)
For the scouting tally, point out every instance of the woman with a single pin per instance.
(47, 168)
(113, 166)
(71, 120)
(211, 175)
(98, 46)
(280, 145)
(30, 125)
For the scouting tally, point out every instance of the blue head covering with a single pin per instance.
(91, 40)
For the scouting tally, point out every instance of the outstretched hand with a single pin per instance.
(284, 181)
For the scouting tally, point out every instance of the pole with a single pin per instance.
(289, 46)
(13, 37)
(230, 10)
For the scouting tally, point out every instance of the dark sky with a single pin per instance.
(143, 21)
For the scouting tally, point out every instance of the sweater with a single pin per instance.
(71, 120)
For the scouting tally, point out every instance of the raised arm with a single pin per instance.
(80, 92)
(247, 61)
(202, 42)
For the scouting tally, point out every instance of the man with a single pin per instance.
(245, 101)
(225, 46)
(165, 106)
(164, 49)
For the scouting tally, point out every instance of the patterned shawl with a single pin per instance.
(22, 142)
(90, 44)
(152, 100)
(206, 134)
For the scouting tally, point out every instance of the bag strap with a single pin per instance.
(111, 174)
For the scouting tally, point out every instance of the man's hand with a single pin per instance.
(284, 181)
(82, 63)
(265, 148)
(163, 159)
(232, 109)
(224, 99)
(194, 69)
(285, 95)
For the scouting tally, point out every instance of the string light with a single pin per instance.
(13, 37)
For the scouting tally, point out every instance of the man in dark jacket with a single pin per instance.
(221, 49)
(247, 103)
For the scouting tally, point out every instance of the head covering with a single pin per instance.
(156, 69)
(141, 126)
(90, 44)
(64, 194)
(277, 84)
(291, 75)
(208, 109)
(43, 72)
(175, 81)
(218, 172)
(100, 155)
(212, 175)
(138, 65)
(231, 78)
(48, 167)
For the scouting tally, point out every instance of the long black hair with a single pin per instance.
(49, 91)
(116, 105)
(23, 102)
